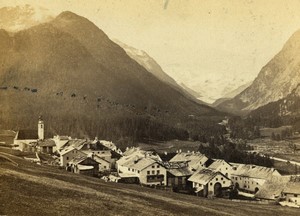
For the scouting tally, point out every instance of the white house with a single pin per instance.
(291, 191)
(144, 165)
(207, 182)
(221, 166)
(250, 178)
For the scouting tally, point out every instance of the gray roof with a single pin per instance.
(204, 176)
(27, 135)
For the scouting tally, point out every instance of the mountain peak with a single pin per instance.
(68, 15)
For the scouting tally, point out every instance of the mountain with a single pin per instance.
(275, 81)
(231, 94)
(285, 111)
(69, 71)
(215, 87)
(153, 67)
(21, 17)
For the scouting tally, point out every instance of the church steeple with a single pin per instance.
(41, 128)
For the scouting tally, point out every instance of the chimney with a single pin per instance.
(179, 150)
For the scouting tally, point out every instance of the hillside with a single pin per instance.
(275, 81)
(285, 111)
(24, 186)
(69, 71)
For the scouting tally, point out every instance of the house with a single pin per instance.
(144, 165)
(195, 160)
(84, 165)
(61, 141)
(272, 189)
(177, 175)
(96, 148)
(250, 178)
(221, 166)
(150, 171)
(291, 191)
(69, 153)
(133, 154)
(104, 165)
(101, 151)
(46, 146)
(207, 182)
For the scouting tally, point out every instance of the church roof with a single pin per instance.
(27, 135)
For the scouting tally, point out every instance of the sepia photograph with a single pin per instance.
(149, 107)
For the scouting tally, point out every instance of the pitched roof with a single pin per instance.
(67, 150)
(135, 154)
(27, 135)
(93, 146)
(194, 159)
(293, 186)
(203, 176)
(47, 142)
(272, 187)
(183, 171)
(140, 163)
(253, 171)
(217, 163)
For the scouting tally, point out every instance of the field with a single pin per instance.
(267, 132)
(30, 189)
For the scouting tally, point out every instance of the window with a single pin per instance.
(295, 195)
(153, 166)
(104, 167)
(128, 169)
(222, 178)
(210, 183)
(226, 168)
(148, 172)
(217, 179)
(153, 172)
(67, 158)
(158, 171)
(223, 182)
(138, 171)
(157, 166)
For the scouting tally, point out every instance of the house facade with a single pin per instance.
(221, 166)
(83, 165)
(250, 178)
(68, 154)
(291, 191)
(177, 176)
(207, 182)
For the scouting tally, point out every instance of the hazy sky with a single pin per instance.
(193, 40)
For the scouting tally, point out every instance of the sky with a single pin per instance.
(194, 41)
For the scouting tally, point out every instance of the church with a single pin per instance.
(27, 140)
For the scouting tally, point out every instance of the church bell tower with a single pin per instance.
(41, 128)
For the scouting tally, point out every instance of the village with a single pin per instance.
(187, 172)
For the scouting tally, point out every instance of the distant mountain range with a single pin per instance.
(153, 67)
(69, 71)
(275, 81)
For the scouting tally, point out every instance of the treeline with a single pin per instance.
(285, 133)
(243, 128)
(122, 130)
(233, 153)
